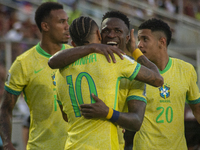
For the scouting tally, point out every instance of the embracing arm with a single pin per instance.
(68, 56)
(131, 120)
(149, 72)
(151, 75)
(196, 111)
(6, 106)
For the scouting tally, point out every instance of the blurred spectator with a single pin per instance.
(188, 8)
(75, 13)
(197, 13)
(15, 34)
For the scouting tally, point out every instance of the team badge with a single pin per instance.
(164, 91)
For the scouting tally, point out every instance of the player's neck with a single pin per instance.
(50, 47)
(162, 62)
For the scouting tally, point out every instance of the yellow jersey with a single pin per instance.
(76, 83)
(163, 124)
(31, 75)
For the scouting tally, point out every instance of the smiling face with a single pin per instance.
(58, 27)
(115, 32)
(149, 43)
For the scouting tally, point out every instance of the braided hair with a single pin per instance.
(43, 11)
(117, 14)
(80, 30)
(157, 25)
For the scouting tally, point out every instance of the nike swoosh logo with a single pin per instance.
(38, 71)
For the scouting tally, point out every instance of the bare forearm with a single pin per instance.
(6, 106)
(68, 56)
(196, 111)
(129, 121)
(5, 126)
(147, 63)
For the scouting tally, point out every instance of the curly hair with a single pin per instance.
(157, 25)
(43, 11)
(80, 30)
(117, 14)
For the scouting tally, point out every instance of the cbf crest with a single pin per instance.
(164, 91)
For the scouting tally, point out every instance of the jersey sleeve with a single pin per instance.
(128, 67)
(193, 96)
(137, 91)
(16, 79)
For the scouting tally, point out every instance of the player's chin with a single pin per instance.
(65, 41)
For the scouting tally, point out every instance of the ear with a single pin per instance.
(99, 35)
(163, 41)
(72, 42)
(44, 26)
(127, 38)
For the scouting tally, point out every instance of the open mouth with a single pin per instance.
(112, 43)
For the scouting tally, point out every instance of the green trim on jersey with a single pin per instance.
(134, 74)
(136, 98)
(193, 101)
(169, 64)
(45, 54)
(12, 91)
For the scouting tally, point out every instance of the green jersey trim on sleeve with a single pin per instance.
(136, 98)
(169, 64)
(12, 91)
(43, 53)
(137, 68)
(193, 101)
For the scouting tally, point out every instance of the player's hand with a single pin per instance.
(109, 51)
(9, 146)
(131, 46)
(96, 110)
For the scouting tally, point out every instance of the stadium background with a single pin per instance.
(18, 32)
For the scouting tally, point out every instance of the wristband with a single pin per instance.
(113, 115)
(110, 113)
(137, 53)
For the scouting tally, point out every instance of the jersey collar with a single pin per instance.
(42, 52)
(169, 64)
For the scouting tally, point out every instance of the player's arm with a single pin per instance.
(131, 120)
(196, 111)
(6, 106)
(63, 113)
(149, 72)
(68, 56)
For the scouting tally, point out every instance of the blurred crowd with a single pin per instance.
(190, 8)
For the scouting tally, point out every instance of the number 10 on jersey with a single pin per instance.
(76, 93)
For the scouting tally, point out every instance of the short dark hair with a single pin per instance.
(117, 14)
(157, 25)
(80, 30)
(43, 11)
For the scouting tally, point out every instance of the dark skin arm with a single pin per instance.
(63, 113)
(196, 111)
(68, 56)
(131, 120)
(148, 72)
(6, 106)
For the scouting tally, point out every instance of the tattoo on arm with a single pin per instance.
(6, 106)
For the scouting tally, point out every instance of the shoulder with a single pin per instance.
(27, 54)
(183, 65)
(180, 62)
(67, 46)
